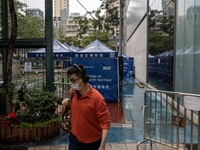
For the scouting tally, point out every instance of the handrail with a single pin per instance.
(162, 112)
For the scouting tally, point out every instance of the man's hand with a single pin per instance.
(102, 148)
(65, 102)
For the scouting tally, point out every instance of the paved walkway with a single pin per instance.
(113, 146)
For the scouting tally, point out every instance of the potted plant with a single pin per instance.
(8, 126)
(39, 114)
(37, 121)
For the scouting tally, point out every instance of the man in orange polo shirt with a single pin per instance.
(90, 118)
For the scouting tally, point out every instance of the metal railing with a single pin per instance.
(62, 89)
(62, 92)
(169, 123)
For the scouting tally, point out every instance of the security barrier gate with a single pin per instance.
(172, 119)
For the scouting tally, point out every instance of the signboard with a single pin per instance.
(28, 66)
(158, 60)
(128, 67)
(192, 103)
(103, 76)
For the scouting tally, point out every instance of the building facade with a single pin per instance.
(61, 14)
(72, 27)
(165, 29)
(135, 26)
(35, 12)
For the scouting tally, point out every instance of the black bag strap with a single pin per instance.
(68, 106)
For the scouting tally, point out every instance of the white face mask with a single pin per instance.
(76, 87)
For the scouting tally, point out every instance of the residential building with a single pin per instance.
(168, 7)
(61, 14)
(36, 12)
(72, 27)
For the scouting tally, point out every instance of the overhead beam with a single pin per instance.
(25, 43)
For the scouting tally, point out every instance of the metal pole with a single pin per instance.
(116, 37)
(120, 29)
(43, 74)
(118, 81)
(4, 19)
(121, 59)
(49, 45)
(56, 29)
(199, 130)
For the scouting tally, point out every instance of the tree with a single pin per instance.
(58, 33)
(83, 25)
(99, 23)
(23, 25)
(111, 14)
(159, 43)
(13, 37)
(160, 32)
(29, 25)
(70, 41)
(102, 36)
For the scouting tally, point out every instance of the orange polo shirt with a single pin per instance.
(89, 115)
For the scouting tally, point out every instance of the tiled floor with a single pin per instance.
(114, 146)
(116, 112)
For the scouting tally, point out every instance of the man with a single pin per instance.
(90, 119)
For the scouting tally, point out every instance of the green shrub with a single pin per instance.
(40, 106)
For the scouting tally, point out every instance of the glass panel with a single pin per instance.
(188, 47)
(196, 85)
(160, 58)
(135, 13)
(30, 18)
(187, 55)
(180, 45)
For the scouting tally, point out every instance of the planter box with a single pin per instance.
(33, 133)
(15, 135)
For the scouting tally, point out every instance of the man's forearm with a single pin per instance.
(104, 137)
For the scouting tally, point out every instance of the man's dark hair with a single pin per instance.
(78, 70)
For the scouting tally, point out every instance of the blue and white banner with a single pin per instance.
(103, 76)
(128, 66)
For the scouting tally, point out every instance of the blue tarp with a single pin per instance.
(59, 51)
(128, 66)
(96, 49)
(73, 47)
(67, 46)
(101, 65)
(103, 76)
(152, 66)
(161, 66)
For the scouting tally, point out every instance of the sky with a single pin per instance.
(90, 5)
(34, 3)
(74, 6)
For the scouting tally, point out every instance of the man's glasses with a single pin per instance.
(74, 80)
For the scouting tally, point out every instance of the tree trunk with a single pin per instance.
(9, 57)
